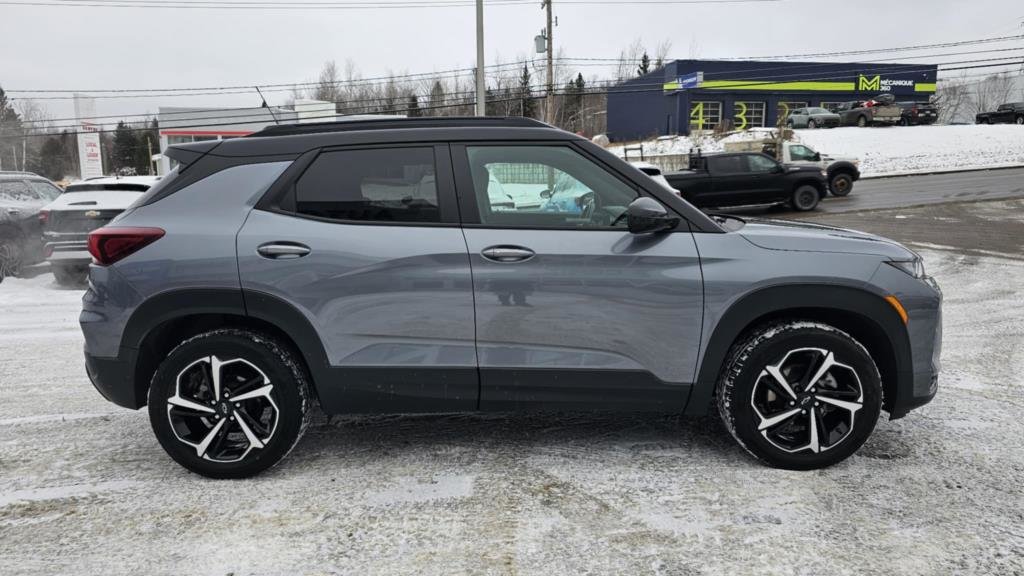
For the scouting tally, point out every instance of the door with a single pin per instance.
(731, 181)
(573, 311)
(366, 246)
(767, 178)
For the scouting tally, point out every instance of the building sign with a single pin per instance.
(878, 84)
(90, 155)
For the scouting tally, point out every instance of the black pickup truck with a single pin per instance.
(1011, 113)
(748, 178)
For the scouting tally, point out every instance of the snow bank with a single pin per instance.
(882, 151)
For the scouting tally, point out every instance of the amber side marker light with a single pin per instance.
(895, 303)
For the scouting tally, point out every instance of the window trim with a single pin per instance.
(466, 191)
(280, 197)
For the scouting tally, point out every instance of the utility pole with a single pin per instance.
(481, 84)
(149, 149)
(549, 114)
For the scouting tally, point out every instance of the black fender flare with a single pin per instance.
(168, 306)
(881, 322)
(842, 167)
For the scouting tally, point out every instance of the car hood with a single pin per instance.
(805, 237)
(98, 200)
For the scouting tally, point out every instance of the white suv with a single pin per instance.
(84, 207)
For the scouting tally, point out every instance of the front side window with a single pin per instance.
(16, 191)
(372, 185)
(545, 187)
(799, 152)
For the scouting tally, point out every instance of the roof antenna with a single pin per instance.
(267, 106)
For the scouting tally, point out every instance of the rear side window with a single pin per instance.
(727, 164)
(373, 185)
(16, 191)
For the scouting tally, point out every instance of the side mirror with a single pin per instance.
(778, 169)
(817, 156)
(545, 194)
(646, 215)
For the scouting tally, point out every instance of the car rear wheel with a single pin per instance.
(11, 257)
(812, 124)
(841, 184)
(862, 121)
(229, 403)
(805, 198)
(904, 122)
(800, 395)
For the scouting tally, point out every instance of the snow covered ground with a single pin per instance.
(85, 489)
(887, 151)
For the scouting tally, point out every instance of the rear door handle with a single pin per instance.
(507, 253)
(283, 250)
(13, 211)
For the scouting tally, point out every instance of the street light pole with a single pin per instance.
(481, 85)
(549, 115)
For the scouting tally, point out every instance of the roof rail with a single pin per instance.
(399, 123)
(17, 173)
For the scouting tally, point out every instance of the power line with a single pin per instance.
(222, 5)
(467, 103)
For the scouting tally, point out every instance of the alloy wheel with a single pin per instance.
(807, 401)
(223, 408)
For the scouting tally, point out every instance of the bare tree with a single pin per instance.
(951, 98)
(629, 57)
(328, 87)
(991, 92)
(661, 53)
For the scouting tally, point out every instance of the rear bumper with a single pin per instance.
(113, 378)
(67, 248)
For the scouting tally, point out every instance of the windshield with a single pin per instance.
(112, 187)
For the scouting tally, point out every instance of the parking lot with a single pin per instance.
(941, 491)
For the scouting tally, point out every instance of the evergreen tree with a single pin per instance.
(10, 134)
(645, 64)
(52, 158)
(527, 105)
(573, 105)
(437, 95)
(125, 149)
(413, 108)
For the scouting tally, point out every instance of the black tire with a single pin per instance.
(11, 254)
(862, 121)
(1019, 120)
(904, 122)
(805, 198)
(811, 124)
(66, 275)
(841, 184)
(246, 354)
(839, 432)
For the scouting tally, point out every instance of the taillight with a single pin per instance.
(108, 245)
(44, 217)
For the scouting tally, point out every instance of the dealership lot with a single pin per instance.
(939, 492)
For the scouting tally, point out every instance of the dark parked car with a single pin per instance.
(360, 267)
(748, 178)
(22, 196)
(1012, 113)
(917, 113)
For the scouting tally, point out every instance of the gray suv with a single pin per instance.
(364, 266)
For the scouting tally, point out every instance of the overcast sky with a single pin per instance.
(86, 47)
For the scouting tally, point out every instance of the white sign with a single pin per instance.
(90, 155)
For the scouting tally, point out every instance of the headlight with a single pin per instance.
(914, 267)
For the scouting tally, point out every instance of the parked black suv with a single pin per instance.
(917, 113)
(749, 178)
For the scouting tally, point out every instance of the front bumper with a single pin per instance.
(114, 378)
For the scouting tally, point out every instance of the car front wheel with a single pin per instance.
(805, 198)
(800, 395)
(229, 403)
(812, 124)
(841, 184)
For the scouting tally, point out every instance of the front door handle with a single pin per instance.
(283, 250)
(507, 253)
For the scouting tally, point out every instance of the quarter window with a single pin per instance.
(545, 187)
(727, 164)
(378, 185)
(784, 109)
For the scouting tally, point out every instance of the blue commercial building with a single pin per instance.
(702, 94)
